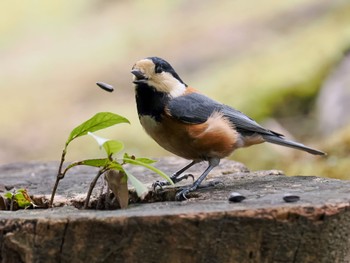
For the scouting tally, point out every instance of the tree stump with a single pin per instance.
(205, 228)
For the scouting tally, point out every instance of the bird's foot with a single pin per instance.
(175, 180)
(181, 195)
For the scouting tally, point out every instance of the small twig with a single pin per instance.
(92, 186)
(12, 202)
(108, 200)
(101, 193)
(62, 160)
(60, 175)
(54, 190)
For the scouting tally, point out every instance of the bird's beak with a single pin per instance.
(139, 76)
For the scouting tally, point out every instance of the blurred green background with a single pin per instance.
(283, 63)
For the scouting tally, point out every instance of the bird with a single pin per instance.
(191, 125)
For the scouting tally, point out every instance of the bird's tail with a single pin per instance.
(281, 141)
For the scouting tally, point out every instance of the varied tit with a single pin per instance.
(191, 125)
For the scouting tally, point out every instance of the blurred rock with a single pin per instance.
(334, 100)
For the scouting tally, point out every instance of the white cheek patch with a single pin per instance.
(178, 90)
(165, 82)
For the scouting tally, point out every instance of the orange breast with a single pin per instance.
(214, 138)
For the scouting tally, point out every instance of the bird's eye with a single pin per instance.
(158, 69)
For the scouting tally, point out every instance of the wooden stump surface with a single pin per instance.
(206, 228)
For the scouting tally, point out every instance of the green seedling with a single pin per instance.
(21, 197)
(113, 168)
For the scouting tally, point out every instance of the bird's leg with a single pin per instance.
(181, 195)
(175, 177)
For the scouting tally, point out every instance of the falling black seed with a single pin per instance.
(105, 86)
(290, 198)
(236, 197)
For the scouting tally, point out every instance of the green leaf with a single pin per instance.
(140, 188)
(90, 162)
(115, 165)
(95, 162)
(22, 198)
(111, 146)
(99, 121)
(104, 162)
(145, 160)
(139, 159)
(128, 156)
(8, 195)
(135, 161)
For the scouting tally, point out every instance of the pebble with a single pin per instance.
(290, 198)
(236, 197)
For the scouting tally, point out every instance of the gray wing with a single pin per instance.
(196, 108)
(193, 108)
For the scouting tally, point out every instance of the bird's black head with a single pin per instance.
(163, 66)
(158, 74)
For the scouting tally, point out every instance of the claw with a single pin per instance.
(180, 178)
(159, 184)
(181, 195)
